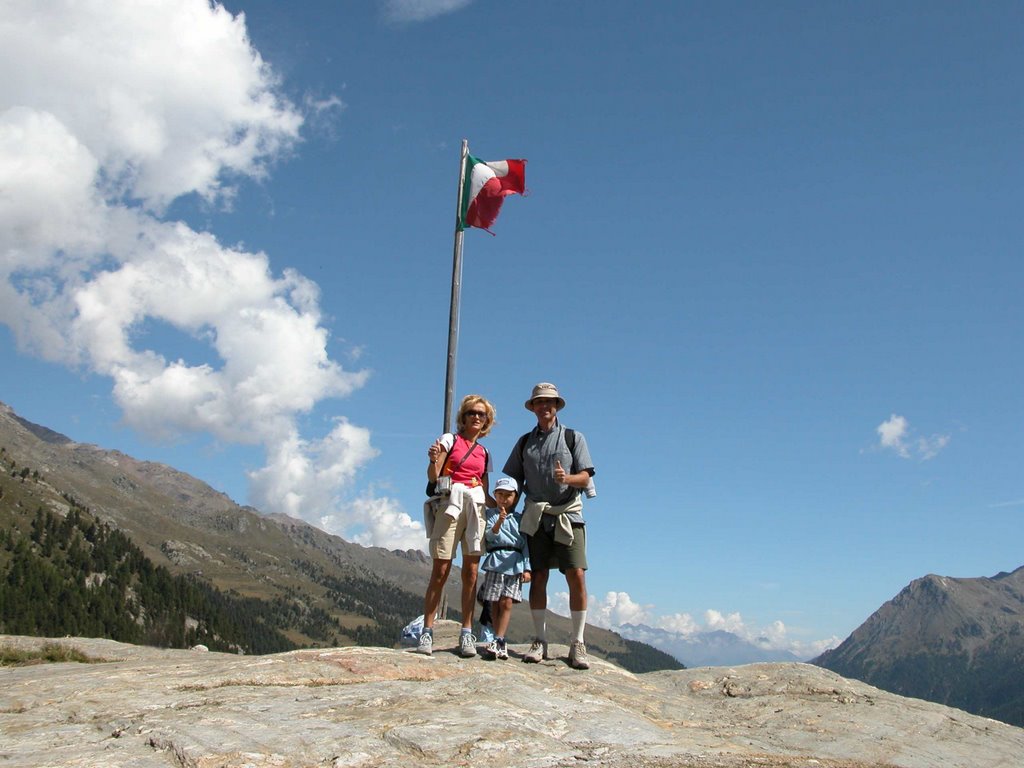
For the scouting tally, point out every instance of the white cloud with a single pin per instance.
(384, 524)
(892, 434)
(895, 435)
(420, 10)
(680, 623)
(929, 447)
(733, 622)
(169, 95)
(617, 609)
(109, 111)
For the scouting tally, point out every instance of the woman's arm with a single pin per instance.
(435, 459)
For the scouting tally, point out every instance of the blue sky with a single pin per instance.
(770, 254)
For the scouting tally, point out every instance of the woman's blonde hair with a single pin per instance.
(467, 403)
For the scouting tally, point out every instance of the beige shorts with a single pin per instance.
(450, 531)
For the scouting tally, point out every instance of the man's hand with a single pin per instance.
(559, 472)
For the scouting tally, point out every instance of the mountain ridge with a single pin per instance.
(710, 648)
(955, 641)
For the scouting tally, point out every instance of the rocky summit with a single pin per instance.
(368, 707)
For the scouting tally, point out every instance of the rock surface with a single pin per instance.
(368, 707)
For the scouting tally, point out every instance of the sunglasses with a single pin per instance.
(477, 414)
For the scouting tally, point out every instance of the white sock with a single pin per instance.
(579, 622)
(540, 622)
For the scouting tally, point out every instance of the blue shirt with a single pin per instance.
(535, 470)
(507, 551)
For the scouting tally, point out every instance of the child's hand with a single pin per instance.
(526, 577)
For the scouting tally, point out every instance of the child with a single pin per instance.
(506, 565)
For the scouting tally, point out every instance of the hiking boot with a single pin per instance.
(537, 653)
(501, 652)
(578, 656)
(490, 651)
(426, 644)
(467, 645)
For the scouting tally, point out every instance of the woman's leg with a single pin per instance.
(470, 564)
(438, 576)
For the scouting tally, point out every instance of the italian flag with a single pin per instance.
(486, 186)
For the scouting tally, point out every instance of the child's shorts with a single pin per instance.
(498, 585)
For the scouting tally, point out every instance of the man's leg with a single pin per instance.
(539, 604)
(538, 612)
(539, 589)
(577, 580)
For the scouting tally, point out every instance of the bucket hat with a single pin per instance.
(545, 389)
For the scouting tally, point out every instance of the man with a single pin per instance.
(552, 465)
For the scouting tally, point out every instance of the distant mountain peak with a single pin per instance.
(709, 648)
(957, 641)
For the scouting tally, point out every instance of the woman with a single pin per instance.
(461, 458)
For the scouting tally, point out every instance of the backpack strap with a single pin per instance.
(521, 447)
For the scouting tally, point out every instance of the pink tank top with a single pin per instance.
(473, 468)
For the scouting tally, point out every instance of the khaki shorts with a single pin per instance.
(449, 531)
(546, 553)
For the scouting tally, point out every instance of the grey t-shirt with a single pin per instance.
(535, 471)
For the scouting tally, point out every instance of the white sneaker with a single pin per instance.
(467, 645)
(537, 653)
(578, 656)
(501, 652)
(491, 651)
(426, 644)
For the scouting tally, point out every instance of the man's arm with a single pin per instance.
(576, 480)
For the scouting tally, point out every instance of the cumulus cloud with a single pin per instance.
(420, 10)
(381, 522)
(618, 609)
(169, 97)
(895, 434)
(680, 623)
(892, 434)
(110, 111)
(716, 620)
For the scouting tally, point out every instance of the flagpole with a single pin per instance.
(453, 315)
